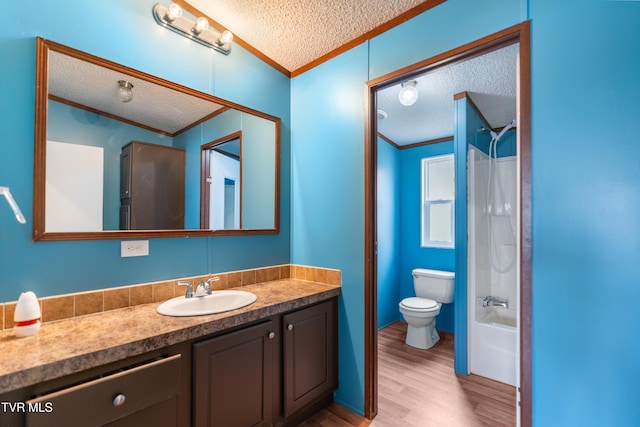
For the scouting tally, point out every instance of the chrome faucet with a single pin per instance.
(494, 302)
(203, 288)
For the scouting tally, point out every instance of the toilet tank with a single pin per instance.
(434, 284)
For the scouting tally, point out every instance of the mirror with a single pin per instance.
(123, 154)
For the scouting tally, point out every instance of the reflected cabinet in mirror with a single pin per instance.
(121, 154)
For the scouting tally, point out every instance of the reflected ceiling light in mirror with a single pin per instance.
(382, 114)
(197, 30)
(124, 92)
(409, 93)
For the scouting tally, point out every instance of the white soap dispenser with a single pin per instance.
(27, 315)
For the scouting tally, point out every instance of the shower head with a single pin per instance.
(504, 130)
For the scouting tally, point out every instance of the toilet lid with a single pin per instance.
(419, 303)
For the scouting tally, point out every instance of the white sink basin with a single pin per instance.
(217, 302)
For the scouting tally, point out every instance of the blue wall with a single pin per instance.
(388, 210)
(586, 205)
(59, 267)
(327, 192)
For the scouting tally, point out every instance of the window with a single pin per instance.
(438, 195)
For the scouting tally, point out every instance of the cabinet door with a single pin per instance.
(233, 378)
(310, 364)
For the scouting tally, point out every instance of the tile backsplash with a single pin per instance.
(82, 303)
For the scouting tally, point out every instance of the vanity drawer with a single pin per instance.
(112, 397)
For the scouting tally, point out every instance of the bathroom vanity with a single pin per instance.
(241, 369)
(270, 363)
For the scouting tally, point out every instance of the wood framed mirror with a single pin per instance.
(110, 142)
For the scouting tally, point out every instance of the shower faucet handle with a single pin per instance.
(491, 301)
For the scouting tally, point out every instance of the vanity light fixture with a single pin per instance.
(201, 25)
(124, 92)
(197, 30)
(409, 93)
(173, 12)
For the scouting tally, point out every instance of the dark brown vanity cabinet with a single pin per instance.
(152, 187)
(150, 389)
(310, 355)
(267, 374)
(148, 392)
(233, 376)
(274, 372)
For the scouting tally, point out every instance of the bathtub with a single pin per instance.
(498, 316)
(493, 343)
(492, 332)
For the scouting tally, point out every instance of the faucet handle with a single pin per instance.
(189, 293)
(203, 288)
(206, 284)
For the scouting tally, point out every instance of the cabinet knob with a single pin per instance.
(119, 400)
(290, 327)
(272, 335)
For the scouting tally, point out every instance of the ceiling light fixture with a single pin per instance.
(197, 30)
(409, 93)
(124, 92)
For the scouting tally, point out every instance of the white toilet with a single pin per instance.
(433, 288)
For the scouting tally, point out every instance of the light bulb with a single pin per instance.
(124, 92)
(201, 25)
(226, 37)
(174, 12)
(409, 93)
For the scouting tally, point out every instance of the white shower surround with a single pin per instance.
(492, 331)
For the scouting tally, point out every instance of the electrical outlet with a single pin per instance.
(129, 248)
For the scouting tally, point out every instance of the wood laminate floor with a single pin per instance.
(418, 388)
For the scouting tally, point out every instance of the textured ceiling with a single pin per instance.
(153, 106)
(294, 33)
(490, 79)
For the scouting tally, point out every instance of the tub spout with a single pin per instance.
(494, 302)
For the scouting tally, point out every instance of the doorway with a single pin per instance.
(518, 34)
(221, 186)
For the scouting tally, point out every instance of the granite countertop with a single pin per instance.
(68, 346)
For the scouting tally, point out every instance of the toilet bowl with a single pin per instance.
(433, 288)
(420, 315)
